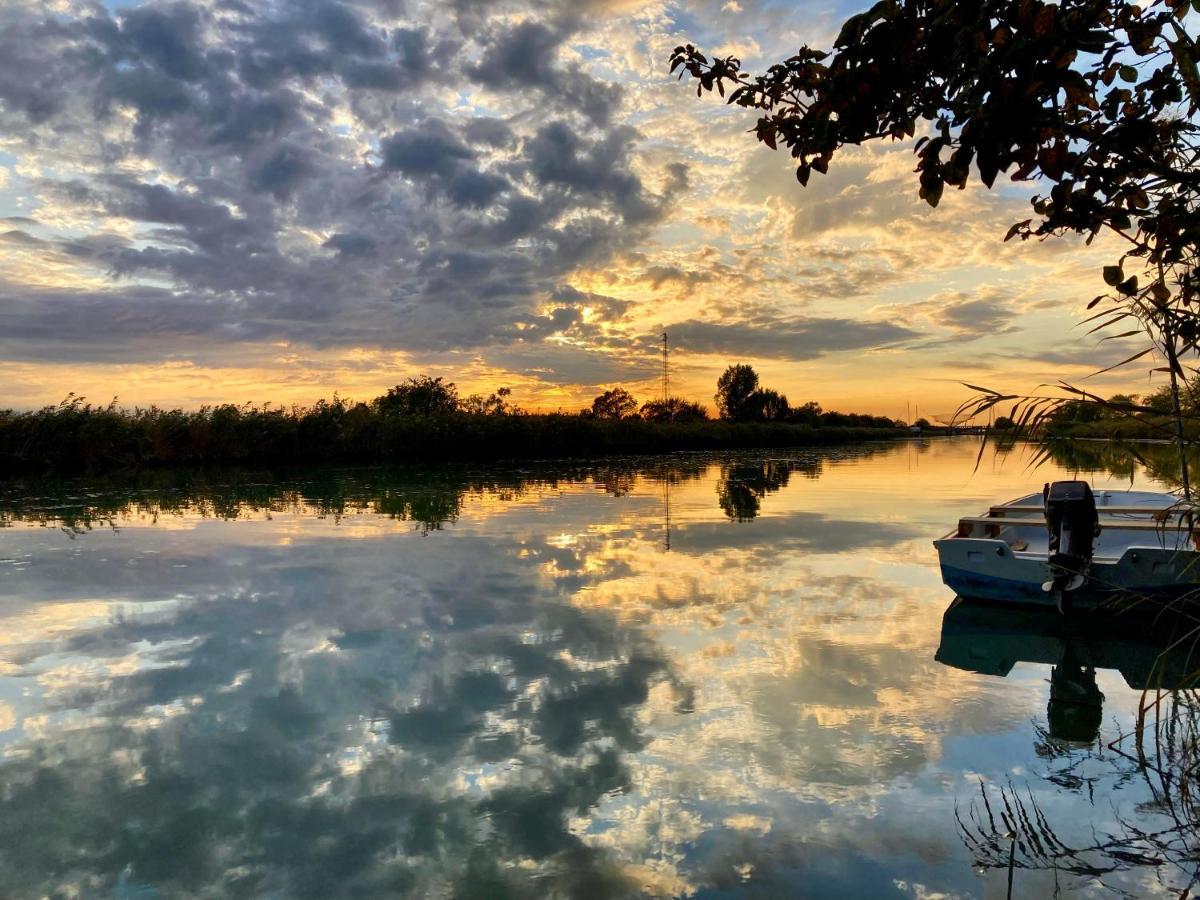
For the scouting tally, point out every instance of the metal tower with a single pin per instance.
(666, 370)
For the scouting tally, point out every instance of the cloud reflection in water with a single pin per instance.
(498, 683)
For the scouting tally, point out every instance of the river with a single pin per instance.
(697, 675)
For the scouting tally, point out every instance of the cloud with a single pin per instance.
(241, 147)
(793, 338)
(196, 181)
(428, 149)
(985, 312)
(525, 56)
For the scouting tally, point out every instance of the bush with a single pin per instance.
(77, 436)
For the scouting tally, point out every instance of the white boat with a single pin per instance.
(1085, 549)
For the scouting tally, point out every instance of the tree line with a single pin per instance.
(1150, 415)
(421, 419)
(739, 398)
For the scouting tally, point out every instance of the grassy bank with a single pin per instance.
(1160, 428)
(74, 437)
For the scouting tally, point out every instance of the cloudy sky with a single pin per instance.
(228, 200)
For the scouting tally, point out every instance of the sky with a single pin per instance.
(230, 201)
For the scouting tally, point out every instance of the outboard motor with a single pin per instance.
(1073, 525)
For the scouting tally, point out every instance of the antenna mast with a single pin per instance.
(666, 369)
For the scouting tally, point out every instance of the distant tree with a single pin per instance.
(1003, 423)
(1075, 412)
(497, 404)
(1160, 401)
(673, 409)
(1189, 398)
(735, 387)
(766, 405)
(923, 423)
(420, 396)
(617, 403)
(806, 414)
(1120, 406)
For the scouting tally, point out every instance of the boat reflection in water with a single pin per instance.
(1004, 826)
(991, 638)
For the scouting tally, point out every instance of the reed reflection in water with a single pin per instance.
(510, 682)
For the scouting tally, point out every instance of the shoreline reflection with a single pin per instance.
(1006, 827)
(501, 681)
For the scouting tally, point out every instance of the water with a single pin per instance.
(706, 675)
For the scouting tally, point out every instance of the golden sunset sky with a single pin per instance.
(207, 201)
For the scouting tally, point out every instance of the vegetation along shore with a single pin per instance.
(422, 419)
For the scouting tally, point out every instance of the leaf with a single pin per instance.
(1016, 228)
(1129, 286)
(1113, 275)
(1128, 74)
(931, 187)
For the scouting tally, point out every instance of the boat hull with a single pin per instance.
(989, 569)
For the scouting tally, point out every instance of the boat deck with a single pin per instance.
(1127, 519)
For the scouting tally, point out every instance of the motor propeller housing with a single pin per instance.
(1073, 526)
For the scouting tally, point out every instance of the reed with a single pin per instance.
(78, 436)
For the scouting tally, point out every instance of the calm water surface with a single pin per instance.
(708, 676)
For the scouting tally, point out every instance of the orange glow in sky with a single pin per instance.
(233, 206)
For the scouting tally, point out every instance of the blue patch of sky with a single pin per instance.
(590, 52)
(12, 201)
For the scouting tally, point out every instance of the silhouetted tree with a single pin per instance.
(740, 399)
(768, 406)
(1075, 412)
(616, 403)
(497, 404)
(735, 387)
(1095, 98)
(421, 396)
(1081, 93)
(806, 414)
(673, 409)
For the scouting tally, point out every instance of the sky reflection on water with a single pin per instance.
(501, 682)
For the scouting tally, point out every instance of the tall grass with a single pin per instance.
(79, 436)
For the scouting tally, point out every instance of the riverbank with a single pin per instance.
(76, 439)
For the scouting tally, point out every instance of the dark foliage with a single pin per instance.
(1094, 99)
(673, 409)
(616, 403)
(421, 396)
(77, 436)
(1081, 93)
(735, 387)
(740, 398)
(742, 487)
